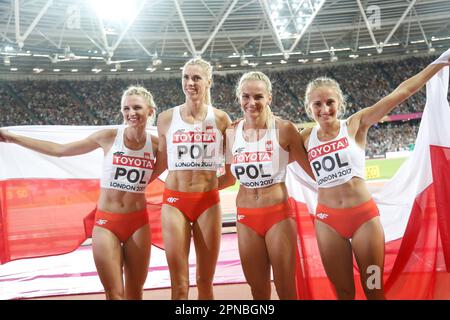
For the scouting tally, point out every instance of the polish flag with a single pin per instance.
(415, 213)
(47, 204)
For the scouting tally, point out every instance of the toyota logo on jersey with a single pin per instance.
(194, 137)
(136, 162)
(329, 162)
(131, 173)
(197, 149)
(247, 157)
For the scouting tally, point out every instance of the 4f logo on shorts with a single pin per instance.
(322, 216)
(172, 200)
(240, 217)
(101, 222)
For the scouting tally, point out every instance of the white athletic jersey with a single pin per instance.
(260, 163)
(125, 169)
(195, 146)
(337, 161)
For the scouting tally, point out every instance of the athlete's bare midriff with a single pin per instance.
(116, 201)
(191, 181)
(261, 197)
(350, 194)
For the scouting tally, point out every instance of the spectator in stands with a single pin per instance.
(88, 102)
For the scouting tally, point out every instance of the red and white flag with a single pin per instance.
(414, 208)
(47, 203)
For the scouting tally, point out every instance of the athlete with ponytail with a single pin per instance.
(191, 148)
(347, 220)
(121, 238)
(259, 148)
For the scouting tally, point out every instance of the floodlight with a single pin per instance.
(115, 10)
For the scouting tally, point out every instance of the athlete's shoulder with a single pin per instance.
(220, 114)
(167, 113)
(286, 128)
(223, 120)
(155, 141)
(235, 123)
(165, 116)
(105, 134)
(284, 124)
(108, 132)
(104, 137)
(306, 132)
(353, 121)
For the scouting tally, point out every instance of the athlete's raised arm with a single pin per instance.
(373, 114)
(90, 143)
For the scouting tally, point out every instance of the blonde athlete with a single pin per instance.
(346, 210)
(260, 148)
(191, 138)
(121, 234)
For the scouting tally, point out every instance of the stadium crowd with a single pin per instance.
(96, 102)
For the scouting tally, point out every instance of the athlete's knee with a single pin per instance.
(114, 294)
(261, 291)
(204, 282)
(259, 294)
(205, 288)
(286, 290)
(374, 292)
(344, 290)
(345, 293)
(180, 290)
(375, 295)
(134, 292)
(287, 294)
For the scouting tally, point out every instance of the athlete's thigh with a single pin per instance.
(107, 251)
(136, 251)
(368, 246)
(207, 232)
(176, 231)
(253, 253)
(281, 242)
(336, 254)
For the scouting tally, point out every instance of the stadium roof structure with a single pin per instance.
(158, 36)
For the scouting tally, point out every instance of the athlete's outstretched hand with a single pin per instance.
(443, 58)
(4, 134)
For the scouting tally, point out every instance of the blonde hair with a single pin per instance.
(325, 82)
(148, 98)
(207, 68)
(257, 76)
